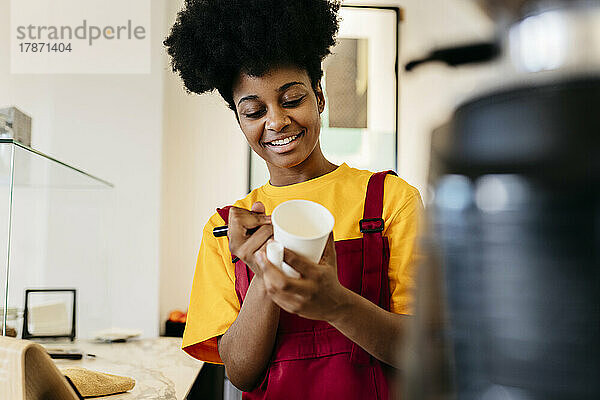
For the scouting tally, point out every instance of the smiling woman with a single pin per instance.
(334, 331)
(279, 114)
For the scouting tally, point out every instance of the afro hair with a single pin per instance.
(213, 41)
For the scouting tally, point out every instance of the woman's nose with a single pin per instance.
(277, 120)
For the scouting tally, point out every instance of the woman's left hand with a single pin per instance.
(317, 294)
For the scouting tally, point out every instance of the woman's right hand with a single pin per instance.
(242, 244)
(247, 345)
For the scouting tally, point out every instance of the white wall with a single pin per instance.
(205, 165)
(204, 152)
(110, 126)
(429, 93)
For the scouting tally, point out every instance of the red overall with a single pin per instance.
(312, 359)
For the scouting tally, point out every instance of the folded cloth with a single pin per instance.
(91, 383)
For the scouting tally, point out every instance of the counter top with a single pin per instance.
(162, 370)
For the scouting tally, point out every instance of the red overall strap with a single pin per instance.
(372, 226)
(242, 274)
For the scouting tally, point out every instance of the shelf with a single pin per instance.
(32, 168)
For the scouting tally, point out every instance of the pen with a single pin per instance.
(220, 231)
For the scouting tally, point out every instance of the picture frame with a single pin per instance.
(53, 294)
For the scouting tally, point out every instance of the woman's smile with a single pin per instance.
(286, 143)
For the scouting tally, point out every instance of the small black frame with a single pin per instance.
(28, 335)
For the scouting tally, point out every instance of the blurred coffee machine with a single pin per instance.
(514, 239)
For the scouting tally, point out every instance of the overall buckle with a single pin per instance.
(373, 225)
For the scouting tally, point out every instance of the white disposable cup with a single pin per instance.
(302, 226)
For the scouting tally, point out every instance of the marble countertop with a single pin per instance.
(162, 370)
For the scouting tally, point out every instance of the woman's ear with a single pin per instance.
(320, 98)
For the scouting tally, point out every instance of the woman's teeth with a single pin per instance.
(283, 142)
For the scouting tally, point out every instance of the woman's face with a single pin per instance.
(279, 114)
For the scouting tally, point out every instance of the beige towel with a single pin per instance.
(92, 383)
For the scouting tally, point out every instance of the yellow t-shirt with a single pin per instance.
(214, 305)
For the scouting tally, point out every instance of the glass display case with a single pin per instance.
(55, 224)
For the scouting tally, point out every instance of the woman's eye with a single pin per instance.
(254, 114)
(293, 103)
